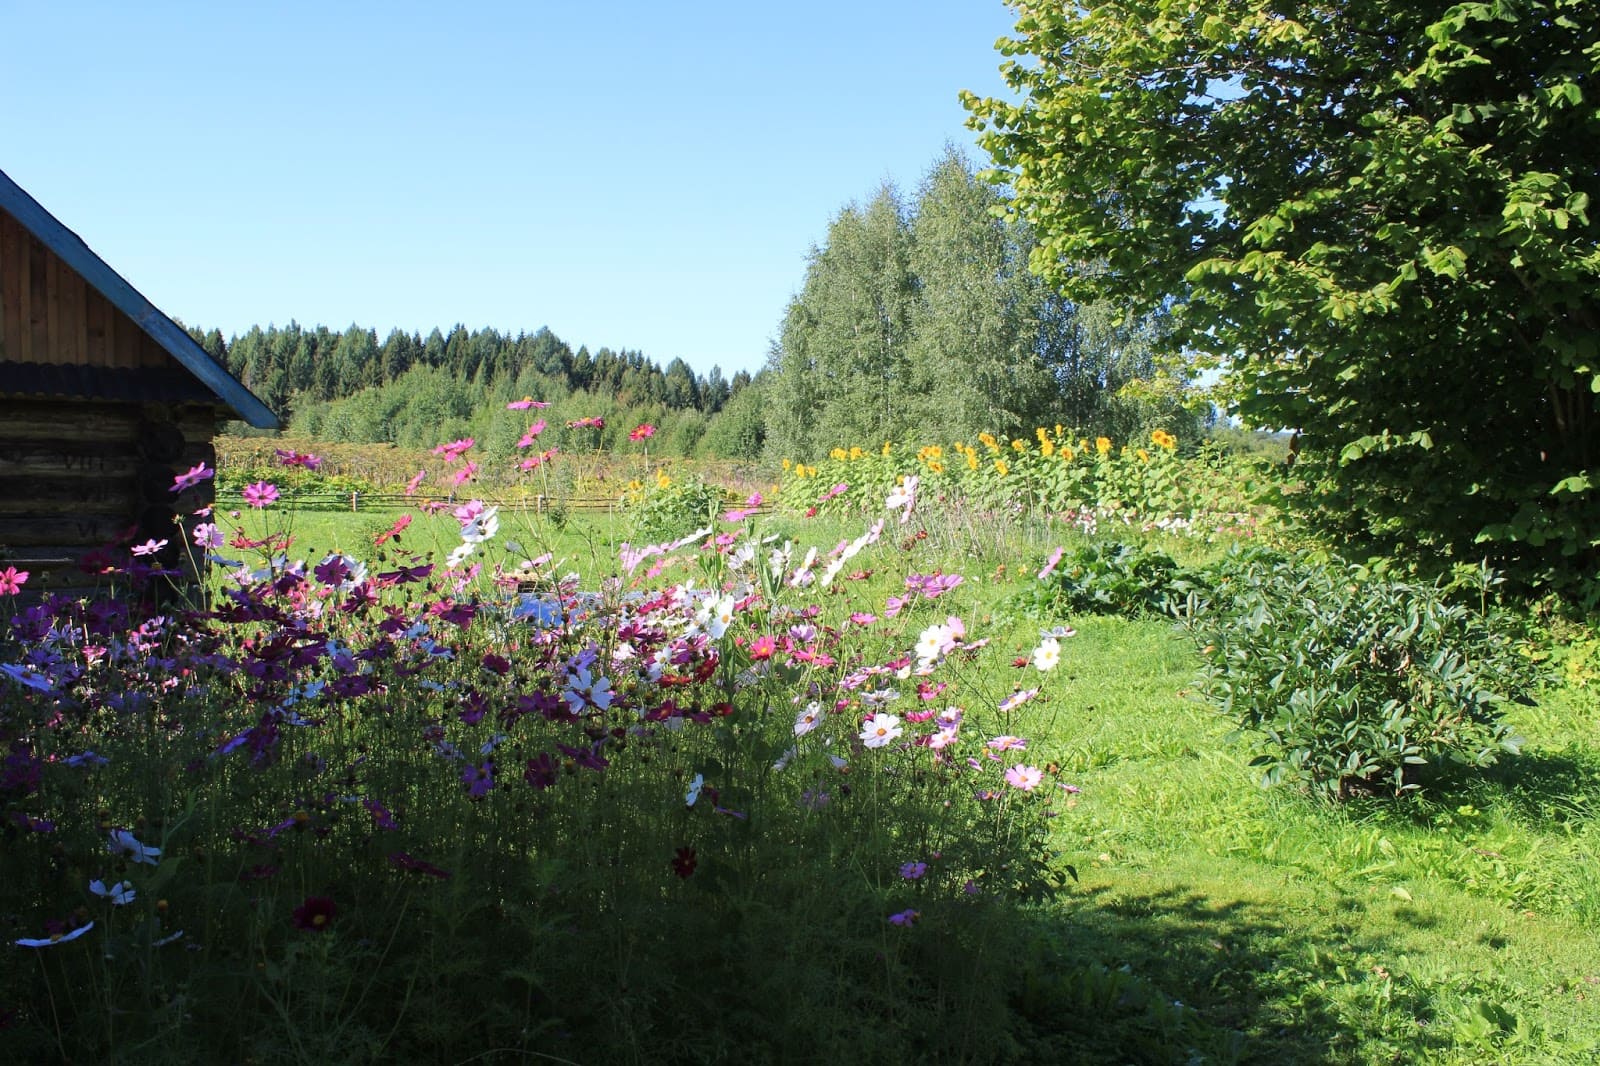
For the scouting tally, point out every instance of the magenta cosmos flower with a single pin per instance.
(260, 493)
(12, 580)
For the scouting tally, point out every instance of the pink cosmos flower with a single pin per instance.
(465, 474)
(12, 580)
(1017, 699)
(260, 493)
(911, 871)
(1026, 778)
(411, 486)
(643, 431)
(587, 422)
(455, 449)
(192, 477)
(525, 403)
(907, 917)
(1051, 563)
(291, 458)
(207, 535)
(532, 434)
(149, 547)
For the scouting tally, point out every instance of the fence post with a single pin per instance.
(353, 501)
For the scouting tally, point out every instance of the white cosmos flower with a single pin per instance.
(807, 719)
(123, 843)
(934, 642)
(119, 894)
(51, 941)
(459, 555)
(481, 528)
(719, 617)
(1047, 656)
(694, 790)
(880, 729)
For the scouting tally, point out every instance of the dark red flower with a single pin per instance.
(683, 863)
(315, 914)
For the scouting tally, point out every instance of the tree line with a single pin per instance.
(917, 321)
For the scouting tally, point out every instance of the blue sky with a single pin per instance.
(640, 175)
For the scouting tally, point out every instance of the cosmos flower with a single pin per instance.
(1027, 778)
(807, 719)
(880, 729)
(119, 894)
(315, 914)
(1047, 656)
(192, 477)
(259, 494)
(58, 938)
(123, 843)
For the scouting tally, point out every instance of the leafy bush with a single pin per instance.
(1108, 577)
(1350, 680)
(665, 507)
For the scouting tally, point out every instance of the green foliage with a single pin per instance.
(1405, 270)
(1350, 681)
(1107, 577)
(922, 319)
(667, 507)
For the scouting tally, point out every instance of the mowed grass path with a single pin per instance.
(1459, 927)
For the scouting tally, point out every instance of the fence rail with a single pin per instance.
(537, 504)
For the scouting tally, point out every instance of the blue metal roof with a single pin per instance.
(161, 329)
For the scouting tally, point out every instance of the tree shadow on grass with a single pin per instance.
(1170, 975)
(1545, 792)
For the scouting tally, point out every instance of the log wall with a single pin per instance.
(79, 475)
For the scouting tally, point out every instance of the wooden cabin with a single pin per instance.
(104, 401)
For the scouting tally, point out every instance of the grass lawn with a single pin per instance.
(1455, 928)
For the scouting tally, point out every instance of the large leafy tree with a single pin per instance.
(974, 325)
(1377, 212)
(843, 365)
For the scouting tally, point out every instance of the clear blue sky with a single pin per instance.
(640, 175)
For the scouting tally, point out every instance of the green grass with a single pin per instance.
(1458, 927)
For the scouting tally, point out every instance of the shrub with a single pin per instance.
(1349, 680)
(663, 506)
(1107, 577)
